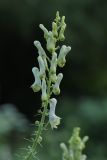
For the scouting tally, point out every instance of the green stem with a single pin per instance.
(40, 129)
(41, 124)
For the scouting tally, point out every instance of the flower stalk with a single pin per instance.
(47, 80)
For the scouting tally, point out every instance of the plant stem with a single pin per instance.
(40, 129)
(41, 124)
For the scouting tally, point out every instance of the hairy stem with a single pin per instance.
(41, 124)
(39, 132)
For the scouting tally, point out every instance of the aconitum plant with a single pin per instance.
(47, 80)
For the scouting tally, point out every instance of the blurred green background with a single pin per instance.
(83, 99)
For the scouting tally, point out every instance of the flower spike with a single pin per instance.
(48, 80)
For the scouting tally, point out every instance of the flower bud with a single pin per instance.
(61, 33)
(53, 63)
(56, 89)
(63, 27)
(36, 86)
(51, 42)
(54, 29)
(39, 139)
(53, 119)
(41, 51)
(44, 96)
(44, 30)
(41, 66)
(63, 52)
(57, 19)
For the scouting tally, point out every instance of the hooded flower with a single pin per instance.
(63, 52)
(53, 119)
(36, 86)
(41, 51)
(51, 42)
(44, 30)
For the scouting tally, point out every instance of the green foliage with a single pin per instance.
(11, 121)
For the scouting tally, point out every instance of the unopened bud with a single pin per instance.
(39, 139)
(57, 19)
(63, 27)
(54, 29)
